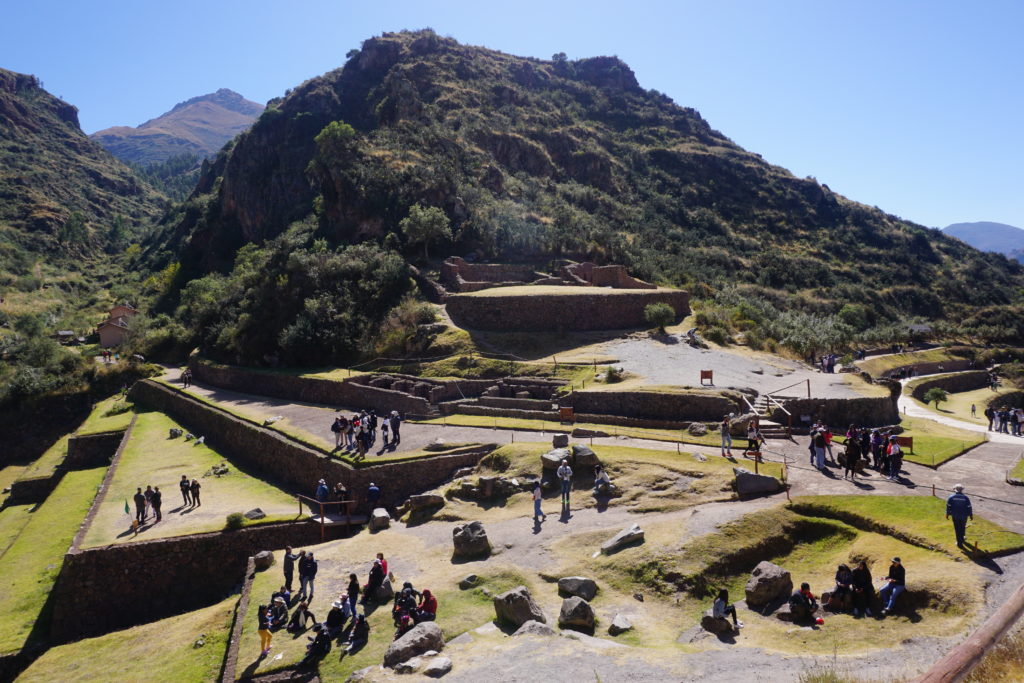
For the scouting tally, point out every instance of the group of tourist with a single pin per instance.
(358, 433)
(147, 504)
(1005, 420)
(186, 378)
(827, 363)
(878, 449)
(108, 356)
(409, 607)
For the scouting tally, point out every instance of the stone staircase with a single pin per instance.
(764, 408)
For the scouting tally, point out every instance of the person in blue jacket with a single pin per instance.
(958, 506)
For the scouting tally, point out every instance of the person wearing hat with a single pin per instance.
(958, 506)
(336, 618)
(564, 473)
(278, 613)
(372, 496)
(895, 583)
(322, 492)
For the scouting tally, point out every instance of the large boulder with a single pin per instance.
(380, 519)
(553, 458)
(517, 607)
(255, 513)
(560, 441)
(768, 582)
(620, 624)
(385, 592)
(579, 586)
(738, 425)
(470, 540)
(576, 613)
(437, 667)
(534, 628)
(714, 624)
(748, 483)
(620, 540)
(584, 456)
(697, 429)
(426, 500)
(263, 560)
(420, 639)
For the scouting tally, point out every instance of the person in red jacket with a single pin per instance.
(427, 609)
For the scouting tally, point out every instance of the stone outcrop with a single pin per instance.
(553, 458)
(576, 613)
(768, 582)
(534, 628)
(419, 640)
(584, 456)
(380, 519)
(747, 483)
(714, 624)
(634, 534)
(579, 586)
(620, 624)
(517, 607)
(263, 560)
(470, 540)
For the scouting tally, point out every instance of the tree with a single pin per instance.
(425, 224)
(660, 315)
(74, 230)
(935, 395)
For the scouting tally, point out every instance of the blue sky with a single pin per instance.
(910, 106)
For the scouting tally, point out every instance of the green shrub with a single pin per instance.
(118, 408)
(935, 395)
(236, 520)
(612, 375)
(659, 315)
(717, 334)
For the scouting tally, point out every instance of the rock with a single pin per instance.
(576, 612)
(784, 613)
(410, 666)
(597, 643)
(461, 639)
(437, 667)
(697, 429)
(748, 483)
(463, 472)
(579, 586)
(517, 607)
(638, 596)
(421, 638)
(768, 582)
(700, 457)
(534, 628)
(560, 441)
(426, 500)
(553, 458)
(580, 433)
(255, 513)
(174, 433)
(738, 425)
(620, 540)
(714, 624)
(584, 456)
(360, 675)
(470, 540)
(620, 624)
(380, 519)
(385, 593)
(263, 560)
(468, 581)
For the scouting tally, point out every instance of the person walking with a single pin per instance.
(156, 500)
(140, 505)
(564, 473)
(726, 437)
(974, 410)
(186, 491)
(818, 438)
(194, 488)
(958, 507)
(288, 565)
(538, 514)
(895, 459)
(263, 620)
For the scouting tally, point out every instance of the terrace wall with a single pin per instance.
(961, 381)
(92, 450)
(649, 405)
(841, 412)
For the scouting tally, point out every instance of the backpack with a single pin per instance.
(336, 426)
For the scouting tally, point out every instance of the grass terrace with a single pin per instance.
(152, 458)
(45, 464)
(1018, 471)
(879, 365)
(109, 415)
(12, 520)
(164, 650)
(29, 567)
(934, 443)
(959, 404)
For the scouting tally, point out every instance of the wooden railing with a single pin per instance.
(315, 504)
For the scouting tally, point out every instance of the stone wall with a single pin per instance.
(35, 490)
(92, 450)
(292, 464)
(603, 310)
(841, 412)
(961, 381)
(934, 367)
(649, 405)
(104, 589)
(517, 403)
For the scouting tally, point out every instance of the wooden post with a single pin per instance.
(321, 522)
(808, 388)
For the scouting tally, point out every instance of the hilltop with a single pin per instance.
(198, 126)
(989, 236)
(534, 159)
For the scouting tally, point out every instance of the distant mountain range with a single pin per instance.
(988, 236)
(199, 126)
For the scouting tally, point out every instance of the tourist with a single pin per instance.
(371, 430)
(359, 635)
(186, 491)
(802, 604)
(564, 473)
(318, 648)
(337, 429)
(403, 625)
(278, 614)
(194, 488)
(384, 432)
(322, 492)
(726, 436)
(844, 578)
(350, 431)
(876, 448)
(405, 602)
(383, 564)
(307, 575)
(353, 591)
(538, 514)
(895, 583)
(863, 588)
(140, 506)
(284, 593)
(288, 565)
(427, 609)
(602, 482)
(373, 581)
(372, 497)
(852, 457)
(149, 501)
(721, 609)
(753, 443)
(156, 500)
(818, 439)
(895, 459)
(263, 619)
(958, 506)
(827, 435)
(341, 495)
(396, 423)
(335, 620)
(974, 410)
(300, 617)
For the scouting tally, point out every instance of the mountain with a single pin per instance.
(60, 192)
(988, 236)
(199, 126)
(531, 160)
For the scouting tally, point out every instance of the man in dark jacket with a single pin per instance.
(186, 490)
(396, 425)
(156, 500)
(372, 496)
(958, 506)
(140, 505)
(895, 583)
(802, 604)
(307, 573)
(288, 564)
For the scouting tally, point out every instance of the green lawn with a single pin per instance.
(160, 651)
(936, 443)
(959, 405)
(920, 519)
(100, 421)
(31, 564)
(46, 463)
(878, 366)
(12, 520)
(152, 458)
(8, 475)
(1018, 471)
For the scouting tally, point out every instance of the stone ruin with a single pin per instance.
(458, 275)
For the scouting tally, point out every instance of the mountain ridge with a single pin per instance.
(989, 236)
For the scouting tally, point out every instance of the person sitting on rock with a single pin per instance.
(802, 604)
(359, 635)
(300, 617)
(278, 614)
(427, 609)
(602, 482)
(721, 609)
(374, 582)
(863, 589)
(839, 594)
(895, 583)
